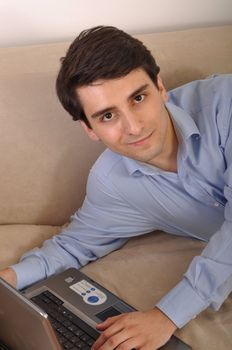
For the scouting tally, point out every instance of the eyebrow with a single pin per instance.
(110, 108)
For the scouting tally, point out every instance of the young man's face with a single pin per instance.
(129, 116)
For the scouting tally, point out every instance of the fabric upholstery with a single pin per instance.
(146, 268)
(16, 239)
(45, 158)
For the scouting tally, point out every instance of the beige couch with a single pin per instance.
(45, 159)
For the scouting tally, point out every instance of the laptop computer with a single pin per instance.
(59, 313)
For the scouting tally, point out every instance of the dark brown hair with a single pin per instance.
(102, 52)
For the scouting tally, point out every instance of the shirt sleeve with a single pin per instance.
(103, 224)
(208, 280)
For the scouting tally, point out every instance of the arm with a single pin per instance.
(208, 281)
(136, 330)
(9, 276)
(95, 230)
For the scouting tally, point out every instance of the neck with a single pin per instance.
(168, 161)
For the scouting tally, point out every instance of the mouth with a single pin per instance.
(140, 141)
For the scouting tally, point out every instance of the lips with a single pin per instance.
(140, 141)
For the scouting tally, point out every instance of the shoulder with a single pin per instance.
(201, 93)
(107, 174)
(106, 164)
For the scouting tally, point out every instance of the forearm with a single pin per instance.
(207, 282)
(9, 275)
(75, 246)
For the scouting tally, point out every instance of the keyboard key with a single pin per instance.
(78, 332)
(62, 330)
(70, 330)
(72, 327)
(62, 339)
(67, 323)
(80, 345)
(74, 339)
(90, 342)
(68, 345)
(85, 338)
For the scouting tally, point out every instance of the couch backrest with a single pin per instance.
(45, 156)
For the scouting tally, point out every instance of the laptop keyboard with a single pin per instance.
(72, 332)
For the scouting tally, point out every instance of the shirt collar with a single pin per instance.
(137, 168)
(185, 128)
(184, 124)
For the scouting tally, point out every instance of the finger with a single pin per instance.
(107, 323)
(114, 341)
(131, 343)
(112, 329)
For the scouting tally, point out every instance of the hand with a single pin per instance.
(135, 330)
(9, 276)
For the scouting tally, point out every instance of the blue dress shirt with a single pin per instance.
(127, 198)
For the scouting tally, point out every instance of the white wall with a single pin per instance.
(37, 21)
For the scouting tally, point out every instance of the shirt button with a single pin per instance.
(216, 204)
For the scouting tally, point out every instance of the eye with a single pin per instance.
(139, 98)
(107, 117)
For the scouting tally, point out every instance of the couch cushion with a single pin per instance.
(154, 262)
(188, 55)
(17, 239)
(143, 271)
(45, 157)
(146, 268)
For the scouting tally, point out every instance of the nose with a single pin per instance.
(132, 123)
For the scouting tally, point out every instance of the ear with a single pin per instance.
(161, 88)
(89, 131)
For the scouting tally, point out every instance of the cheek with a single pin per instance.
(153, 110)
(159, 115)
(108, 134)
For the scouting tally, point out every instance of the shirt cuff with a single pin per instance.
(182, 304)
(28, 271)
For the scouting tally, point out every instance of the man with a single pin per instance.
(167, 167)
